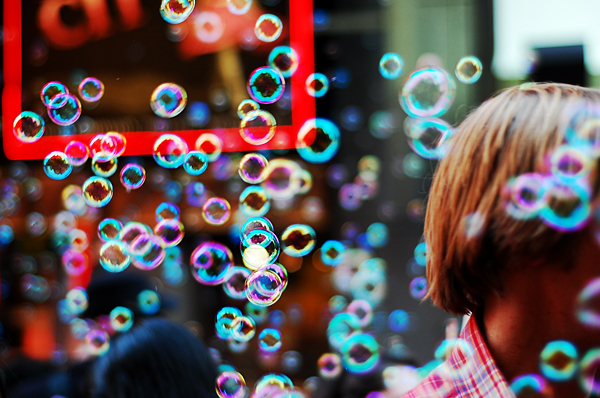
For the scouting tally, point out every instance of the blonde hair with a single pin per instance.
(508, 135)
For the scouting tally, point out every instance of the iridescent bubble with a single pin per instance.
(360, 353)
(317, 85)
(253, 223)
(36, 223)
(211, 145)
(119, 140)
(97, 191)
(398, 321)
(97, 341)
(258, 127)
(77, 153)
(268, 28)
(332, 252)
(198, 114)
(170, 151)
(588, 372)
(148, 302)
(216, 211)
(269, 340)
(114, 256)
(285, 60)
(170, 232)
(209, 27)
(264, 287)
(147, 252)
(235, 284)
(259, 247)
(64, 109)
(350, 197)
(418, 287)
(247, 106)
(132, 230)
(558, 360)
(79, 297)
(121, 319)
(211, 263)
(167, 211)
(103, 147)
(29, 127)
(530, 385)
(231, 384)
(253, 168)
(318, 140)
(266, 85)
(377, 235)
(109, 229)
(341, 327)
(195, 194)
(427, 92)
(330, 365)
(133, 176)
(282, 273)
(363, 311)
(298, 240)
(254, 201)
(587, 311)
(104, 169)
(421, 254)
(75, 262)
(570, 163)
(195, 163)
(57, 166)
(243, 328)
(391, 65)
(566, 205)
(224, 321)
(176, 11)
(273, 384)
(91, 89)
(468, 70)
(430, 138)
(51, 90)
(239, 7)
(168, 99)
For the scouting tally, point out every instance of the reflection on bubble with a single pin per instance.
(77, 153)
(104, 169)
(51, 90)
(350, 196)
(166, 211)
(211, 145)
(97, 341)
(427, 92)
(231, 384)
(235, 284)
(253, 223)
(266, 85)
(243, 328)
(75, 262)
(216, 211)
(64, 109)
(429, 138)
(558, 360)
(97, 191)
(211, 263)
(147, 252)
(268, 28)
(360, 353)
(298, 240)
(57, 166)
(114, 256)
(103, 147)
(567, 205)
(285, 60)
(29, 127)
(170, 232)
(133, 176)
(421, 254)
(91, 89)
(170, 151)
(247, 106)
(258, 127)
(109, 229)
(332, 252)
(168, 100)
(269, 340)
(176, 11)
(468, 70)
(317, 85)
(259, 247)
(587, 311)
(390, 66)
(318, 140)
(254, 201)
(330, 366)
(121, 319)
(209, 27)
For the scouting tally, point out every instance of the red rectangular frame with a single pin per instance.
(140, 143)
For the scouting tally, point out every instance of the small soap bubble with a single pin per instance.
(147, 252)
(57, 166)
(418, 287)
(468, 70)
(133, 176)
(104, 169)
(266, 85)
(167, 211)
(429, 138)
(421, 254)
(168, 99)
(148, 302)
(247, 106)
(211, 145)
(176, 11)
(530, 385)
(318, 140)
(170, 151)
(360, 353)
(91, 89)
(235, 284)
(97, 341)
(132, 230)
(64, 109)
(119, 140)
(398, 321)
(427, 92)
(264, 287)
(211, 263)
(269, 340)
(253, 168)
(79, 297)
(253, 223)
(239, 7)
(243, 328)
(29, 127)
(377, 235)
(268, 28)
(298, 240)
(231, 384)
(258, 127)
(216, 211)
(317, 85)
(51, 90)
(285, 60)
(254, 201)
(195, 194)
(558, 360)
(330, 366)
(121, 319)
(97, 191)
(198, 114)
(224, 321)
(170, 232)
(103, 147)
(588, 372)
(36, 223)
(390, 66)
(75, 262)
(195, 163)
(109, 229)
(114, 256)
(77, 153)
(259, 247)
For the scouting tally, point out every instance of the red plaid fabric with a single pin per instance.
(469, 372)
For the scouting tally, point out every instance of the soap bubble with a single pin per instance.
(231, 384)
(168, 99)
(317, 85)
(104, 169)
(170, 232)
(198, 114)
(132, 230)
(427, 92)
(79, 297)
(216, 211)
(258, 127)
(103, 147)
(468, 70)
(64, 109)
(176, 11)
(91, 89)
(266, 85)
(114, 256)
(132, 176)
(195, 163)
(418, 287)
(97, 191)
(170, 151)
(57, 166)
(254, 201)
(360, 353)
(341, 327)
(147, 252)
(119, 140)
(167, 211)
(239, 7)
(318, 140)
(330, 366)
(285, 60)
(211, 263)
(253, 223)
(390, 66)
(377, 235)
(243, 328)
(259, 247)
(29, 127)
(247, 106)
(235, 284)
(211, 145)
(332, 252)
(77, 153)
(268, 28)
(588, 370)
(121, 319)
(263, 287)
(429, 138)
(148, 302)
(421, 254)
(530, 385)
(97, 341)
(398, 321)
(224, 321)
(51, 90)
(269, 340)
(298, 240)
(75, 262)
(109, 229)
(253, 168)
(558, 360)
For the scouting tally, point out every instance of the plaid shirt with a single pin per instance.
(469, 372)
